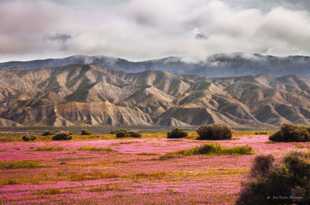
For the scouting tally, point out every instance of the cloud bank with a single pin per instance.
(141, 29)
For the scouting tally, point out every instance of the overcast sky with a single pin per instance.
(142, 29)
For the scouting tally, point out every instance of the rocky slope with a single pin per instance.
(91, 95)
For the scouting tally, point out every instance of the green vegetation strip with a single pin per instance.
(210, 149)
(96, 149)
(20, 164)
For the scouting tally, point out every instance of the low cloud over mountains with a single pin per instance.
(138, 29)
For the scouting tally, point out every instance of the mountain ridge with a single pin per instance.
(92, 95)
(218, 65)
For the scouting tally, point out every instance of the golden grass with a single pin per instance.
(52, 191)
(10, 137)
(245, 133)
(41, 177)
(95, 149)
(107, 187)
(48, 149)
(83, 175)
(91, 176)
(148, 176)
(93, 137)
(187, 175)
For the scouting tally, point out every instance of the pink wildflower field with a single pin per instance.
(126, 171)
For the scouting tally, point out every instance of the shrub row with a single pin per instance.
(210, 132)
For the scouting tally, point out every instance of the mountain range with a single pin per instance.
(219, 65)
(238, 90)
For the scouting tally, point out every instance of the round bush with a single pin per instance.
(29, 138)
(262, 166)
(122, 133)
(176, 134)
(61, 137)
(291, 133)
(214, 132)
(85, 132)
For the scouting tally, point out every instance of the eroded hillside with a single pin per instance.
(90, 95)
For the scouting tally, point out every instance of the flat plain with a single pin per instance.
(104, 170)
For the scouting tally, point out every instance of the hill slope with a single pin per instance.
(91, 95)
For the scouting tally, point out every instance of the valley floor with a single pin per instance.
(127, 171)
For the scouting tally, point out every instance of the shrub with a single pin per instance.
(214, 132)
(176, 134)
(85, 132)
(62, 136)
(134, 134)
(291, 133)
(262, 166)
(28, 138)
(286, 183)
(122, 133)
(47, 133)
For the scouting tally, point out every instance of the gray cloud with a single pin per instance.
(146, 29)
(62, 39)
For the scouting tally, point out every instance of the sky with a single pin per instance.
(145, 29)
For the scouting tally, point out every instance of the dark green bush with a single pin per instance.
(122, 133)
(291, 133)
(85, 132)
(176, 134)
(214, 132)
(134, 134)
(285, 184)
(62, 136)
(262, 166)
(28, 138)
(210, 149)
